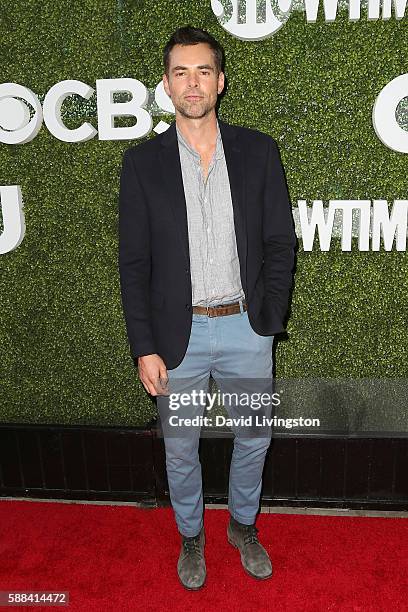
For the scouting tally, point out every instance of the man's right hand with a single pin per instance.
(153, 374)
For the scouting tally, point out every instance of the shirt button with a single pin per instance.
(211, 260)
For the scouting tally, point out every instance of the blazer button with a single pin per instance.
(188, 307)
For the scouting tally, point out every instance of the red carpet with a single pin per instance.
(123, 558)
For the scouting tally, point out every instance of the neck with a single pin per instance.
(199, 133)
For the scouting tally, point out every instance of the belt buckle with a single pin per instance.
(208, 312)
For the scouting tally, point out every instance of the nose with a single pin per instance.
(192, 80)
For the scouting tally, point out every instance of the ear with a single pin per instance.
(166, 84)
(221, 82)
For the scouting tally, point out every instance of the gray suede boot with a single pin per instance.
(191, 564)
(254, 558)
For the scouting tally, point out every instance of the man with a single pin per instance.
(206, 258)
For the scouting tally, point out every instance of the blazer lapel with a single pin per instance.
(171, 171)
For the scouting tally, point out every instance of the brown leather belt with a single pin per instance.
(219, 311)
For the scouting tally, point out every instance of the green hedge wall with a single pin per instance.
(64, 356)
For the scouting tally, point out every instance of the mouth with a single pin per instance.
(193, 97)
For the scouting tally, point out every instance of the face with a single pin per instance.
(193, 84)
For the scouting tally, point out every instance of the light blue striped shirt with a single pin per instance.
(214, 263)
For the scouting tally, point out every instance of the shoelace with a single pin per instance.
(251, 535)
(192, 545)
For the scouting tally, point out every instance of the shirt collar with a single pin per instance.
(219, 151)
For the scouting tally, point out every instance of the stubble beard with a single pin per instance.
(194, 110)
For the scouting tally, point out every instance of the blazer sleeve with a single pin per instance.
(279, 239)
(135, 260)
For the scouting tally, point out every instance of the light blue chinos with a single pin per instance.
(233, 353)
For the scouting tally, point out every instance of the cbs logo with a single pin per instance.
(21, 113)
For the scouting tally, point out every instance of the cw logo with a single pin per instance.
(11, 208)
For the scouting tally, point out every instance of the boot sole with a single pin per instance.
(192, 588)
(246, 570)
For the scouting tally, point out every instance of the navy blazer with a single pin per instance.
(154, 262)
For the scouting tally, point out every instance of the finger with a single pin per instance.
(163, 374)
(153, 388)
(148, 386)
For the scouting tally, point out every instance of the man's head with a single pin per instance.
(193, 78)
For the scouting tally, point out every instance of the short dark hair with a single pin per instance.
(188, 35)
